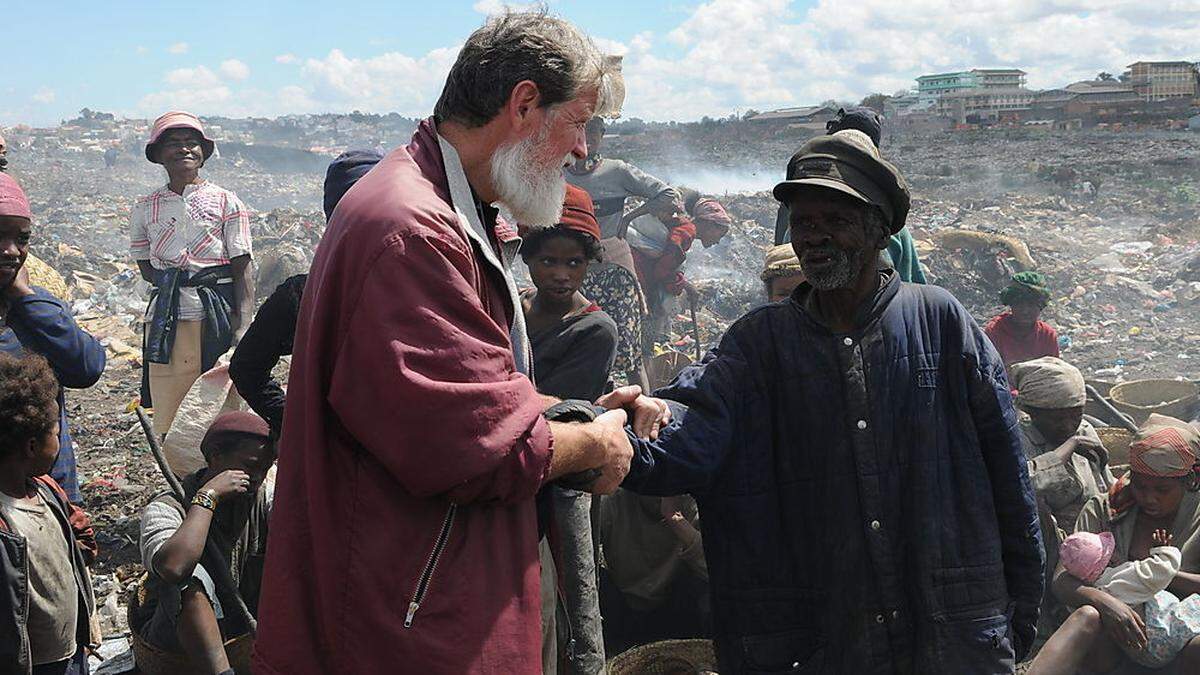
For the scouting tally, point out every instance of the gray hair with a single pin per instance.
(516, 46)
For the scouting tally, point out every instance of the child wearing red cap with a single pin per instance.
(228, 503)
(574, 344)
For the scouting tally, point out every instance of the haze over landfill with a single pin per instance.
(1088, 172)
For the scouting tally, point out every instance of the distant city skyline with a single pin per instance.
(683, 60)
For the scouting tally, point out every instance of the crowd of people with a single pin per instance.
(468, 476)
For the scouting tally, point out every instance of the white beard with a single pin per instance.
(532, 192)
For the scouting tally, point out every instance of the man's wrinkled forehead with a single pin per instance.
(582, 107)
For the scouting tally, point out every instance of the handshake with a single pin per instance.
(600, 449)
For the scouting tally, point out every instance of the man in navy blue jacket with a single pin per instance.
(856, 457)
(32, 319)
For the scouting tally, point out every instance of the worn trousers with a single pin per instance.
(170, 382)
(584, 642)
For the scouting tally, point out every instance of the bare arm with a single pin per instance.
(178, 556)
(1185, 584)
(243, 292)
(1122, 624)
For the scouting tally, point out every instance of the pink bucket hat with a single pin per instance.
(1085, 554)
(13, 201)
(177, 119)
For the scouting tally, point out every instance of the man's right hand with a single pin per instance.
(614, 451)
(229, 483)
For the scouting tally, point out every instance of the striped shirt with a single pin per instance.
(205, 227)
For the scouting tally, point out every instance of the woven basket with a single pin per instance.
(41, 274)
(1140, 398)
(669, 657)
(663, 368)
(151, 660)
(1116, 440)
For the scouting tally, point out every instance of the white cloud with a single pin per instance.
(44, 95)
(141, 50)
(198, 90)
(730, 54)
(389, 82)
(726, 55)
(178, 48)
(234, 69)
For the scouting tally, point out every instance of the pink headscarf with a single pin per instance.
(1084, 555)
(13, 201)
(710, 211)
(177, 119)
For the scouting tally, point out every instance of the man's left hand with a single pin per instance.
(647, 415)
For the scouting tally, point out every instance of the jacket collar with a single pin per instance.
(439, 161)
(872, 308)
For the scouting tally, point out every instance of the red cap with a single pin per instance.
(13, 201)
(579, 214)
(233, 422)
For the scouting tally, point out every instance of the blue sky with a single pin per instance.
(683, 59)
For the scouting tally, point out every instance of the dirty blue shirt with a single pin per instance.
(42, 323)
(864, 497)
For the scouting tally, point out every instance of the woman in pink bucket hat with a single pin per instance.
(1132, 568)
(191, 240)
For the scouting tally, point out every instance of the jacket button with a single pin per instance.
(848, 342)
(862, 424)
(876, 525)
(896, 614)
(880, 619)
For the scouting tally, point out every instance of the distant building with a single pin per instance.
(1094, 102)
(984, 104)
(802, 115)
(1162, 80)
(932, 87)
(908, 103)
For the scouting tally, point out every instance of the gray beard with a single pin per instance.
(533, 194)
(841, 274)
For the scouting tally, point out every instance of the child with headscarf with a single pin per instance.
(1141, 584)
(1156, 506)
(1019, 333)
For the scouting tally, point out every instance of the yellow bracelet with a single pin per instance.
(206, 499)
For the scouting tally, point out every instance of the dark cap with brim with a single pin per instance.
(846, 162)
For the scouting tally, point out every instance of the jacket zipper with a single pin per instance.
(430, 565)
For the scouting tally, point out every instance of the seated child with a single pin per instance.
(1141, 584)
(182, 610)
(46, 542)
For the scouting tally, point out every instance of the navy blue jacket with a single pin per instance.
(863, 497)
(42, 323)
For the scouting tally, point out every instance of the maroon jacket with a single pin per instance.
(404, 535)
